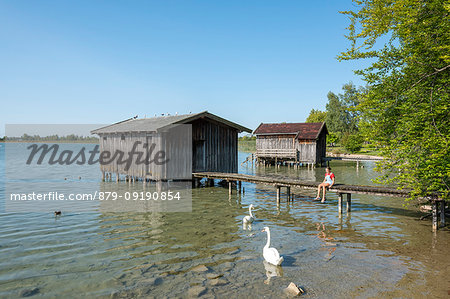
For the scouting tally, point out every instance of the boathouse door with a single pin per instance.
(198, 155)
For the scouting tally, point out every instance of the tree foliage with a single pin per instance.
(332, 138)
(341, 114)
(352, 142)
(406, 109)
(316, 116)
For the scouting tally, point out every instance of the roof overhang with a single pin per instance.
(184, 120)
(206, 114)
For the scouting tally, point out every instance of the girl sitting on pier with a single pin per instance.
(327, 183)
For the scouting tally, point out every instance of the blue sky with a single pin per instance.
(104, 61)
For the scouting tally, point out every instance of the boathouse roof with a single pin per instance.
(155, 123)
(301, 130)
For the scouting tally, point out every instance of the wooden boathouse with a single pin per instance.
(291, 142)
(191, 143)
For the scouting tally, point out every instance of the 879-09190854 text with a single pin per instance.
(155, 195)
(97, 195)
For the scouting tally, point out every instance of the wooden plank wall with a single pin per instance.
(307, 150)
(174, 142)
(275, 142)
(124, 143)
(220, 146)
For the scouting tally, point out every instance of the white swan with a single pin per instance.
(271, 255)
(249, 218)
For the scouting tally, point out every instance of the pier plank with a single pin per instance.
(288, 182)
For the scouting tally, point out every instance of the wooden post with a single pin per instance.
(276, 161)
(103, 176)
(240, 187)
(117, 177)
(230, 185)
(278, 195)
(434, 215)
(210, 182)
(349, 202)
(288, 193)
(357, 164)
(340, 204)
(442, 216)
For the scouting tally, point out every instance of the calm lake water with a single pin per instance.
(380, 249)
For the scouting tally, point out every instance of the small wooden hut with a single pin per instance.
(191, 142)
(291, 142)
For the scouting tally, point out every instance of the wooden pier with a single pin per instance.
(438, 206)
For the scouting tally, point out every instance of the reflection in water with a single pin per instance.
(328, 241)
(380, 249)
(272, 271)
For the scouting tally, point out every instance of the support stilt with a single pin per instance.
(278, 194)
(240, 187)
(349, 202)
(442, 210)
(434, 213)
(288, 193)
(103, 176)
(340, 204)
(230, 187)
(117, 177)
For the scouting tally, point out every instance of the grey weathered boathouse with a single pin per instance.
(291, 142)
(192, 143)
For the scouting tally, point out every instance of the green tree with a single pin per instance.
(316, 116)
(350, 99)
(406, 110)
(332, 138)
(352, 142)
(337, 119)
